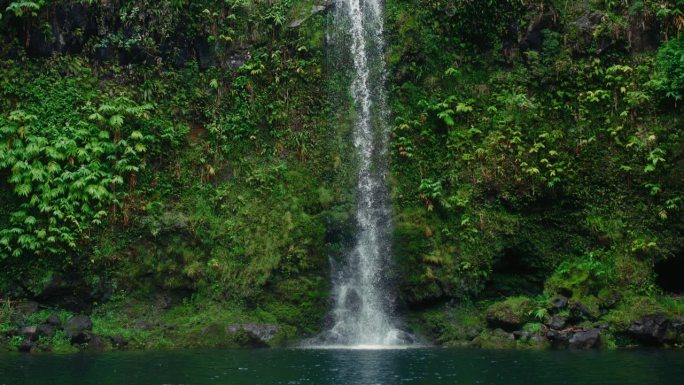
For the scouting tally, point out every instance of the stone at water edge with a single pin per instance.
(78, 329)
(29, 333)
(650, 329)
(118, 341)
(264, 332)
(45, 330)
(586, 339)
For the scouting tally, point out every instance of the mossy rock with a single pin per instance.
(510, 314)
(495, 339)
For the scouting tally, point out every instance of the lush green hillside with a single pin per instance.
(172, 167)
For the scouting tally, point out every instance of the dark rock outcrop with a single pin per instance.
(26, 346)
(579, 312)
(508, 315)
(142, 324)
(534, 36)
(650, 330)
(29, 333)
(252, 334)
(559, 302)
(556, 322)
(78, 329)
(45, 330)
(585, 339)
(54, 321)
(118, 342)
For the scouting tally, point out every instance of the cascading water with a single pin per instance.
(363, 305)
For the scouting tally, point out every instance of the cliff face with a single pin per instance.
(535, 155)
(180, 169)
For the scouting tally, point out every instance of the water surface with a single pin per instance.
(348, 367)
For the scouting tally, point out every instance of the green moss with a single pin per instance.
(450, 325)
(511, 313)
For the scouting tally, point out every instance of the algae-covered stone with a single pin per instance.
(510, 314)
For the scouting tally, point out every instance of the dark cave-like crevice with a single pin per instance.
(670, 274)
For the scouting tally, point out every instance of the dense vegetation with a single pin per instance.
(171, 167)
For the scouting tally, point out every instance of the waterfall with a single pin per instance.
(362, 303)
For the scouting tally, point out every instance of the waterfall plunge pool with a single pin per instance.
(427, 366)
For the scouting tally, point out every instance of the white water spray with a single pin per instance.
(363, 305)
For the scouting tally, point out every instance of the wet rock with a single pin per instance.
(558, 337)
(472, 332)
(651, 329)
(315, 9)
(237, 59)
(508, 315)
(510, 42)
(203, 53)
(579, 312)
(45, 330)
(78, 329)
(534, 37)
(263, 332)
(142, 324)
(609, 300)
(521, 335)
(353, 301)
(29, 333)
(556, 322)
(118, 342)
(538, 339)
(586, 339)
(104, 54)
(67, 292)
(26, 346)
(677, 325)
(96, 343)
(584, 28)
(54, 321)
(26, 307)
(564, 291)
(643, 33)
(559, 302)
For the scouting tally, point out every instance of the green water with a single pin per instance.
(348, 367)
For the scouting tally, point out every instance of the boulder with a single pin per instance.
(521, 335)
(26, 346)
(584, 28)
(510, 314)
(650, 329)
(558, 337)
(252, 334)
(26, 307)
(559, 302)
(96, 343)
(78, 329)
(118, 342)
(142, 324)
(556, 322)
(586, 339)
(54, 321)
(579, 312)
(29, 333)
(45, 330)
